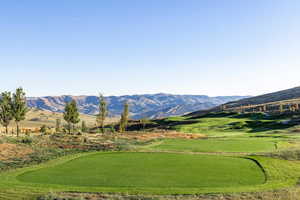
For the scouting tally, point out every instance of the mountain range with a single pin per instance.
(147, 105)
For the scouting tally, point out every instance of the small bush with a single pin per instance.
(26, 140)
(43, 129)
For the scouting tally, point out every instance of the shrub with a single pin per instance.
(26, 140)
(43, 129)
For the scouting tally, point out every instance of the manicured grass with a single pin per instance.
(150, 170)
(212, 126)
(216, 145)
(225, 124)
(280, 174)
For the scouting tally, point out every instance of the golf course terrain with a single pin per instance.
(237, 153)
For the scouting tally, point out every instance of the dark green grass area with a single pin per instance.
(154, 170)
(216, 145)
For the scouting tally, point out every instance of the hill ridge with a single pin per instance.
(292, 94)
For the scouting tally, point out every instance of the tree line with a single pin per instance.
(13, 107)
(72, 117)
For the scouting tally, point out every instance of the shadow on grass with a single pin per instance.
(254, 122)
(261, 126)
(215, 115)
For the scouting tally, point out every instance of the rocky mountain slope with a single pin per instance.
(148, 105)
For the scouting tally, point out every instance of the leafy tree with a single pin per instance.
(102, 112)
(83, 127)
(71, 115)
(58, 125)
(6, 114)
(124, 118)
(19, 107)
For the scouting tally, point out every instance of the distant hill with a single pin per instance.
(282, 95)
(148, 105)
(288, 95)
(35, 118)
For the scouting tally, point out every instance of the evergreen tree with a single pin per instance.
(6, 110)
(83, 127)
(71, 115)
(19, 107)
(102, 112)
(121, 125)
(58, 125)
(124, 118)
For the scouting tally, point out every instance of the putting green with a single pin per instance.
(150, 170)
(216, 145)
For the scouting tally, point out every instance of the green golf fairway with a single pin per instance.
(150, 170)
(239, 145)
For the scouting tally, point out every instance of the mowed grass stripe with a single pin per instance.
(153, 170)
(216, 145)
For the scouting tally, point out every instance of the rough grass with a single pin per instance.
(285, 194)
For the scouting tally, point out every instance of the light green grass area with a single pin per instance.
(212, 126)
(216, 145)
(150, 170)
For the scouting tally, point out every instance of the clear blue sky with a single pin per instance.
(213, 47)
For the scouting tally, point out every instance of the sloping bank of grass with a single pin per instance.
(215, 145)
(148, 173)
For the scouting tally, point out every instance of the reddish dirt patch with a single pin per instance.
(9, 151)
